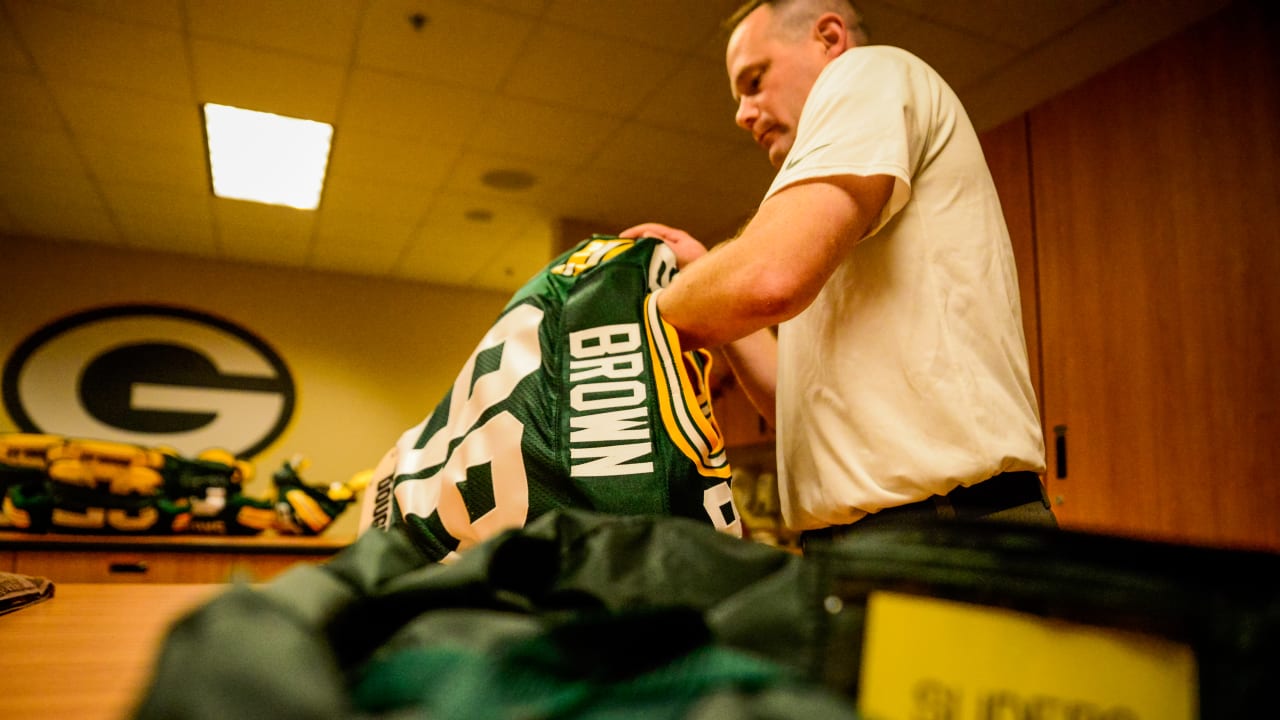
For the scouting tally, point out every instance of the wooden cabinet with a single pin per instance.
(1156, 208)
(179, 559)
(1149, 285)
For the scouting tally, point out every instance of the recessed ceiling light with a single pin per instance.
(266, 158)
(509, 179)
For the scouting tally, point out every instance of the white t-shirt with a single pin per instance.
(908, 375)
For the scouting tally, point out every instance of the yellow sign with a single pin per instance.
(931, 659)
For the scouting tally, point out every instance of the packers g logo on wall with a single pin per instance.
(150, 375)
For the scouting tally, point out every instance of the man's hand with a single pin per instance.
(686, 248)
(754, 358)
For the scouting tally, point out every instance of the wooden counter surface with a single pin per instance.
(267, 542)
(87, 653)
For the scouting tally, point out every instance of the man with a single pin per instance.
(902, 384)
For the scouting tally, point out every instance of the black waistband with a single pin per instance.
(1001, 492)
(1004, 491)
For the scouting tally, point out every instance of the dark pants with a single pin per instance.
(1008, 497)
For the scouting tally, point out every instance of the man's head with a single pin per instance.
(776, 51)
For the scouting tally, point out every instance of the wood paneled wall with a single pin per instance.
(1154, 208)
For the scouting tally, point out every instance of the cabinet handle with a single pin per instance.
(136, 567)
(1060, 449)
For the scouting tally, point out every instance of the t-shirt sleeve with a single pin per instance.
(861, 118)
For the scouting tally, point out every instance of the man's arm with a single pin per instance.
(754, 362)
(773, 270)
(754, 358)
(778, 264)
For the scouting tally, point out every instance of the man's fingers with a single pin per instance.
(657, 230)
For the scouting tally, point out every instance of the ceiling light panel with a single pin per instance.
(267, 158)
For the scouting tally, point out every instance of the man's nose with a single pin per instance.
(747, 114)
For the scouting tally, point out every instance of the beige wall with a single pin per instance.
(370, 357)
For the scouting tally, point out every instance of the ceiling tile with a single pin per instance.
(614, 199)
(504, 220)
(143, 198)
(326, 30)
(363, 229)
(269, 234)
(714, 47)
(593, 73)
(361, 244)
(12, 55)
(536, 131)
(393, 160)
(881, 16)
(8, 226)
(450, 248)
(68, 186)
(170, 234)
(360, 196)
(468, 173)
(130, 161)
(459, 43)
(334, 255)
(1021, 24)
(29, 151)
(621, 108)
(702, 84)
(533, 8)
(663, 155)
(726, 231)
(92, 49)
(958, 55)
(36, 200)
(747, 175)
(1087, 48)
(165, 14)
(520, 258)
(50, 217)
(668, 24)
(387, 105)
(25, 101)
(267, 81)
(100, 112)
(704, 215)
(160, 218)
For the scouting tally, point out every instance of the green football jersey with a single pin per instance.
(578, 396)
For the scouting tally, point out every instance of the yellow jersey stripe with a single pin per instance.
(681, 403)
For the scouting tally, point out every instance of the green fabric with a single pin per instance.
(584, 426)
(515, 628)
(549, 676)
(593, 616)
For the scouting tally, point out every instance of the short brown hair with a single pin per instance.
(797, 14)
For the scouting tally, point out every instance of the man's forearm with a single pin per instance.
(779, 263)
(712, 302)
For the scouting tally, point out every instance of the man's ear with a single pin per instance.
(833, 33)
